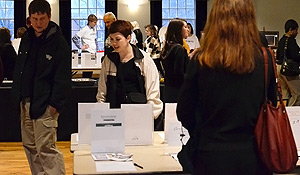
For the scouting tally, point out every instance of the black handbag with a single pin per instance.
(289, 67)
(135, 98)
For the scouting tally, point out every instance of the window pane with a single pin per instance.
(74, 4)
(10, 13)
(83, 4)
(190, 3)
(190, 13)
(75, 13)
(181, 13)
(173, 13)
(83, 23)
(100, 13)
(92, 11)
(75, 25)
(165, 13)
(92, 4)
(83, 13)
(178, 9)
(173, 3)
(10, 4)
(165, 22)
(165, 4)
(101, 4)
(100, 25)
(81, 9)
(2, 4)
(181, 3)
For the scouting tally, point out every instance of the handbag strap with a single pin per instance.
(275, 73)
(285, 49)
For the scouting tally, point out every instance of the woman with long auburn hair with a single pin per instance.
(223, 92)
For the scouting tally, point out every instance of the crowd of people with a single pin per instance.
(218, 88)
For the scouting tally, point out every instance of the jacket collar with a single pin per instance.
(115, 57)
(50, 30)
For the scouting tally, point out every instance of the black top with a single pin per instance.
(139, 37)
(126, 80)
(292, 51)
(8, 56)
(220, 107)
(174, 63)
(30, 68)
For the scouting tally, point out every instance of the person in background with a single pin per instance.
(289, 84)
(152, 46)
(174, 59)
(7, 53)
(41, 83)
(138, 33)
(162, 35)
(223, 92)
(88, 36)
(192, 39)
(128, 70)
(16, 41)
(108, 19)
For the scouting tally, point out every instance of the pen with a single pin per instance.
(137, 165)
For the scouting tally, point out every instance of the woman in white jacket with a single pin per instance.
(128, 75)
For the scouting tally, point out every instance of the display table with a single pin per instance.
(67, 121)
(154, 159)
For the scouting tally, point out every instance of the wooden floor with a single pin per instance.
(13, 159)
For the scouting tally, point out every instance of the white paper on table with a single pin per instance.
(107, 131)
(139, 124)
(84, 120)
(113, 166)
(294, 117)
(170, 115)
(175, 129)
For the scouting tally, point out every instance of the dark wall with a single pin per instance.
(201, 16)
(19, 14)
(156, 15)
(65, 19)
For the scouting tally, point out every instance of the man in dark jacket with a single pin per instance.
(42, 79)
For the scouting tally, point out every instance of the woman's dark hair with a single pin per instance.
(121, 26)
(192, 30)
(39, 6)
(173, 34)
(290, 24)
(4, 36)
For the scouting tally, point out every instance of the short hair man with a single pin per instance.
(41, 83)
(108, 19)
(88, 36)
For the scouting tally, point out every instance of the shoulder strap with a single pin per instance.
(275, 74)
(285, 48)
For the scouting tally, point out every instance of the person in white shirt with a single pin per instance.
(88, 36)
(16, 41)
(192, 39)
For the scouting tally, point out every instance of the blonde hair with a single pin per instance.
(231, 37)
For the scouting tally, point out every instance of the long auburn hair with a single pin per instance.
(231, 37)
